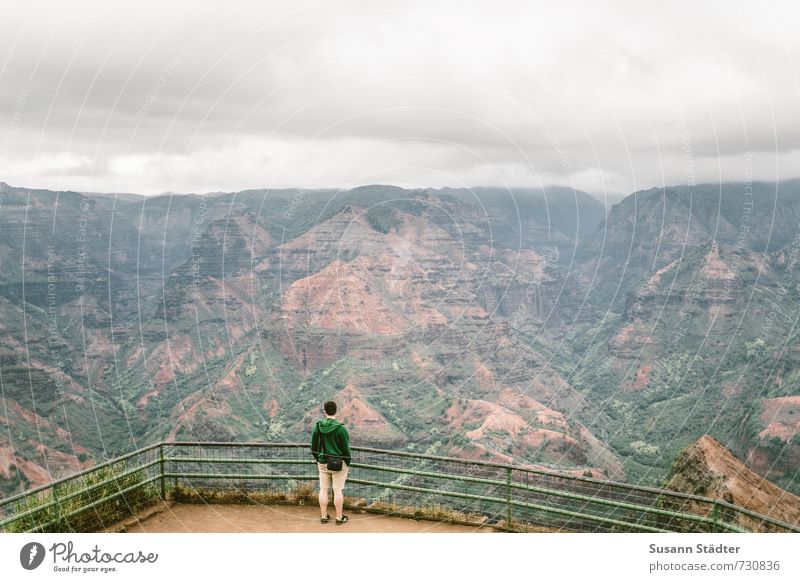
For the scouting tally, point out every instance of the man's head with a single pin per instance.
(330, 408)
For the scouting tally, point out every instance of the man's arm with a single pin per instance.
(315, 444)
(346, 446)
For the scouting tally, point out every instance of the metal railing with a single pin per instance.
(89, 500)
(424, 486)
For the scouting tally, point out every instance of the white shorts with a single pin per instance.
(326, 476)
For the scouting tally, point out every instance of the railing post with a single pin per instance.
(58, 506)
(174, 479)
(714, 517)
(508, 497)
(161, 469)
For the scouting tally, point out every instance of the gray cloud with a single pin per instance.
(204, 96)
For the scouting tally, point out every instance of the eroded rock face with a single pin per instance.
(340, 297)
(776, 453)
(709, 469)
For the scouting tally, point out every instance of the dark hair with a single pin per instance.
(330, 408)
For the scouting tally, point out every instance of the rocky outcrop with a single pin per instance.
(708, 469)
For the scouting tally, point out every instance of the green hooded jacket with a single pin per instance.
(330, 438)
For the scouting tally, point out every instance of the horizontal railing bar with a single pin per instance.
(543, 490)
(535, 506)
(29, 512)
(242, 445)
(102, 465)
(758, 516)
(277, 461)
(470, 479)
(110, 480)
(449, 477)
(210, 460)
(241, 476)
(605, 486)
(96, 503)
(355, 481)
(540, 507)
(57, 500)
(599, 482)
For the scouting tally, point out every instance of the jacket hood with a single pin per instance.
(328, 425)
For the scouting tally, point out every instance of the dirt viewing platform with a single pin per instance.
(219, 518)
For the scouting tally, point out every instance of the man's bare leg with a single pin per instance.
(323, 501)
(338, 502)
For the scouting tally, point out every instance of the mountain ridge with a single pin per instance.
(231, 317)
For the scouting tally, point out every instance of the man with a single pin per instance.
(329, 442)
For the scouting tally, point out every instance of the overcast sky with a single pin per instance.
(205, 96)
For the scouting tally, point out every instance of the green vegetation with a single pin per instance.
(252, 368)
(16, 484)
(97, 500)
(382, 216)
(301, 493)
